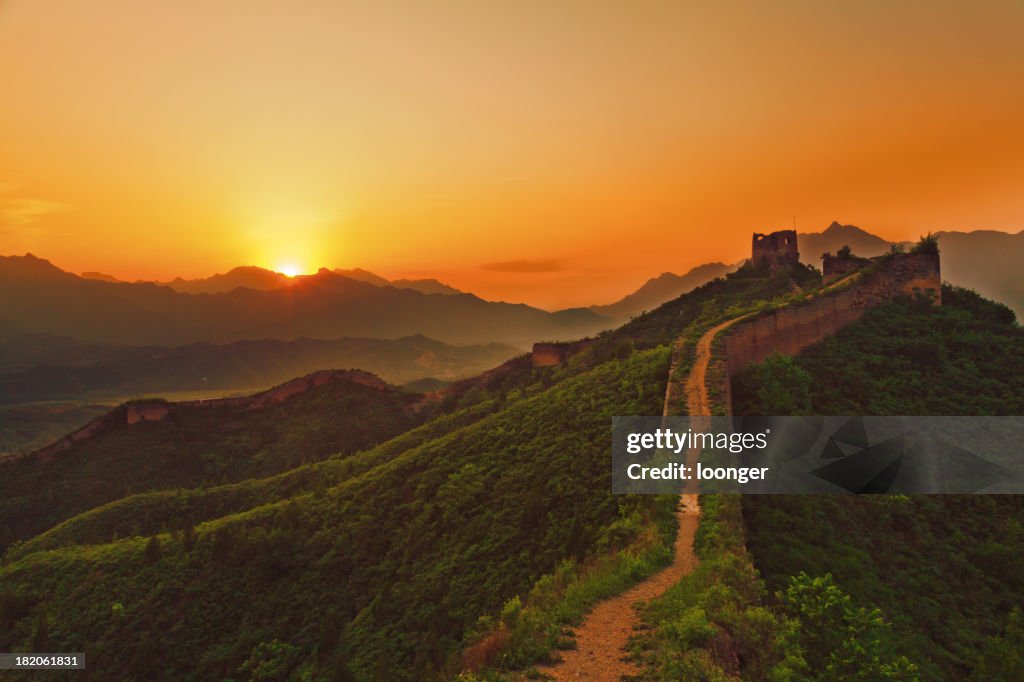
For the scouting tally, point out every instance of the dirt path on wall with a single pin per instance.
(698, 402)
(602, 638)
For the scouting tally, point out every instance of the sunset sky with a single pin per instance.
(557, 153)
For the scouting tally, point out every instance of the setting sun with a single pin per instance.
(289, 270)
(469, 145)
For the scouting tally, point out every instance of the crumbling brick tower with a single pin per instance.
(777, 250)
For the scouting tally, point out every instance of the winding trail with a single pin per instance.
(698, 402)
(600, 653)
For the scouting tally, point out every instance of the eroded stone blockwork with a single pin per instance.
(776, 250)
(550, 354)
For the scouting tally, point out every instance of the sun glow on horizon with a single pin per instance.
(557, 157)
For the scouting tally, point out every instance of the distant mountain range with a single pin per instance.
(664, 287)
(37, 297)
(40, 367)
(813, 244)
(424, 286)
(261, 279)
(332, 303)
(986, 261)
(668, 285)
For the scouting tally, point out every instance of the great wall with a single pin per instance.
(724, 350)
(801, 324)
(551, 354)
(154, 410)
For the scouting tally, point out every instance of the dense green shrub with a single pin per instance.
(409, 552)
(948, 572)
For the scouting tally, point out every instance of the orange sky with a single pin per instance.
(584, 145)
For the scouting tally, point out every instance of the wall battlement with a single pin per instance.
(835, 267)
(551, 354)
(776, 250)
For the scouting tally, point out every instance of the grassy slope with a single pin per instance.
(419, 537)
(950, 568)
(161, 510)
(524, 487)
(528, 633)
(196, 446)
(908, 358)
(24, 428)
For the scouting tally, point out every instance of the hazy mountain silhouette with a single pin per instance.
(102, 276)
(361, 275)
(985, 260)
(424, 286)
(247, 276)
(261, 279)
(41, 367)
(813, 244)
(37, 297)
(664, 287)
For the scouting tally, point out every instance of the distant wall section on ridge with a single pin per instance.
(551, 354)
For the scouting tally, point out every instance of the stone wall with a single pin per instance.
(146, 411)
(551, 354)
(156, 410)
(777, 249)
(834, 268)
(795, 327)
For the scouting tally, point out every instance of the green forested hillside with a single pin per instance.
(384, 564)
(294, 550)
(376, 565)
(24, 428)
(160, 510)
(945, 570)
(903, 358)
(743, 288)
(378, 576)
(195, 446)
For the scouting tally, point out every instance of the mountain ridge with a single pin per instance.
(38, 297)
(967, 259)
(664, 287)
(985, 260)
(264, 279)
(160, 445)
(136, 411)
(42, 367)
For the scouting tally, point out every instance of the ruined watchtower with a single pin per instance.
(777, 249)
